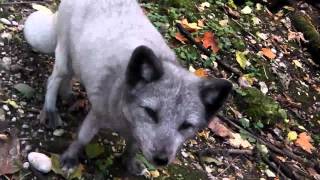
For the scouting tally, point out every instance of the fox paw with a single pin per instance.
(50, 118)
(135, 167)
(68, 161)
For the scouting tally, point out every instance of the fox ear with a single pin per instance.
(213, 94)
(143, 67)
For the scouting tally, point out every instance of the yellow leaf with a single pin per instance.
(241, 59)
(297, 63)
(224, 22)
(292, 136)
(201, 72)
(154, 174)
(11, 103)
(189, 26)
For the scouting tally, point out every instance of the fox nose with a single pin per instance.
(161, 159)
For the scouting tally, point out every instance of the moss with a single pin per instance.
(304, 25)
(259, 107)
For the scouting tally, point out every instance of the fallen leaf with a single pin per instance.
(246, 10)
(24, 89)
(191, 69)
(209, 41)
(56, 168)
(255, 20)
(296, 36)
(10, 159)
(181, 38)
(268, 53)
(11, 103)
(263, 87)
(94, 150)
(218, 128)
(262, 36)
(201, 72)
(292, 136)
(203, 6)
(238, 142)
(192, 27)
(201, 22)
(246, 80)
(303, 141)
(241, 59)
(224, 23)
(154, 174)
(232, 12)
(297, 63)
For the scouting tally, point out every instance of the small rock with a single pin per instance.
(40, 161)
(14, 23)
(5, 107)
(269, 173)
(58, 132)
(6, 35)
(25, 126)
(6, 61)
(14, 119)
(28, 147)
(5, 21)
(26, 165)
(2, 115)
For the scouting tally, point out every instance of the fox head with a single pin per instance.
(166, 104)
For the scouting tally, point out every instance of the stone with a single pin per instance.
(40, 162)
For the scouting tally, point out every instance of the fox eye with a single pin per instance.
(151, 113)
(185, 126)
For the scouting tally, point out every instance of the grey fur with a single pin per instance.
(95, 42)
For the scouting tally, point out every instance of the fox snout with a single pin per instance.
(161, 159)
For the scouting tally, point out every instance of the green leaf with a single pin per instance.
(148, 165)
(25, 90)
(56, 168)
(241, 59)
(246, 10)
(94, 150)
(245, 122)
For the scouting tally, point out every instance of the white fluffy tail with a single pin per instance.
(40, 31)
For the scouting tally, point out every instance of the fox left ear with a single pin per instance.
(213, 94)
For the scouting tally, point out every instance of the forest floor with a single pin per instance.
(269, 129)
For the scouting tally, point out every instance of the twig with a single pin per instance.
(275, 168)
(208, 53)
(22, 3)
(225, 151)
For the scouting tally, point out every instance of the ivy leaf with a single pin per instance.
(94, 150)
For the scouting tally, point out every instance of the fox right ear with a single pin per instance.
(143, 67)
(213, 94)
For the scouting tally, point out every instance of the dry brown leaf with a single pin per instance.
(238, 142)
(218, 128)
(296, 36)
(303, 141)
(268, 53)
(209, 41)
(201, 72)
(181, 38)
